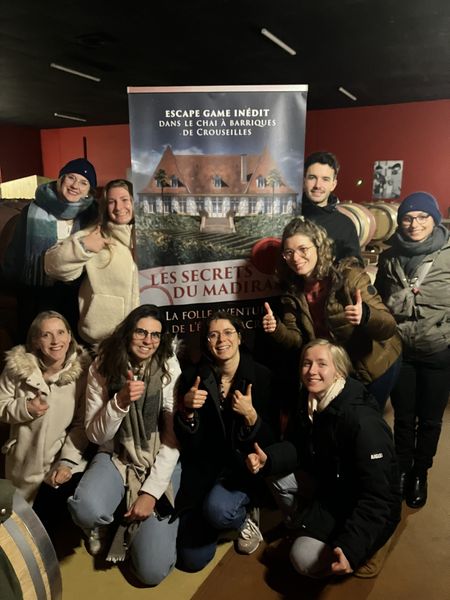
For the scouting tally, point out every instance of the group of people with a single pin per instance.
(158, 463)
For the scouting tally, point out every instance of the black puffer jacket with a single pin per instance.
(217, 446)
(348, 450)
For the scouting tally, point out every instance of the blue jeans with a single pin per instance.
(381, 388)
(199, 529)
(99, 493)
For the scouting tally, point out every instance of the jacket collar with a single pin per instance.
(23, 365)
(309, 209)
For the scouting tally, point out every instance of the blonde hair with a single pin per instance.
(341, 359)
(34, 333)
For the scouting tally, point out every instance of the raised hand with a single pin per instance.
(269, 322)
(94, 241)
(195, 398)
(37, 406)
(131, 391)
(353, 312)
(242, 404)
(256, 460)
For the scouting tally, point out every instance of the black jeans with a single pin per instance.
(419, 399)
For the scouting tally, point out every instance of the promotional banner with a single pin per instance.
(217, 175)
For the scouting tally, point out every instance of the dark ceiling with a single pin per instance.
(382, 51)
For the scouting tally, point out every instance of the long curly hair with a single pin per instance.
(288, 279)
(114, 352)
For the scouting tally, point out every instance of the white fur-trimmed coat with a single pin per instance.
(36, 444)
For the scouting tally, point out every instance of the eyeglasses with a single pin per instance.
(213, 336)
(81, 183)
(141, 334)
(303, 251)
(421, 219)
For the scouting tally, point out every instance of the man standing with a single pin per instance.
(320, 205)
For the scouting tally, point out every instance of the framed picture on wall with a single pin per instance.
(387, 179)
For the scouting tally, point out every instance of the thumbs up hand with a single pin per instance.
(256, 461)
(242, 405)
(353, 312)
(195, 398)
(131, 391)
(269, 322)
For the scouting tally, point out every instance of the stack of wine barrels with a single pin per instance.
(362, 218)
(385, 214)
(375, 222)
(32, 566)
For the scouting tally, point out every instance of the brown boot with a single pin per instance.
(373, 566)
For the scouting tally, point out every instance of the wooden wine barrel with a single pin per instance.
(385, 214)
(30, 553)
(362, 218)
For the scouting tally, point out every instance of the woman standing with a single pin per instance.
(42, 398)
(342, 496)
(129, 414)
(104, 254)
(60, 208)
(336, 303)
(414, 278)
(226, 405)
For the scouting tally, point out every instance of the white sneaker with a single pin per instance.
(96, 538)
(250, 535)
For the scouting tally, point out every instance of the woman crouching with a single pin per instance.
(42, 398)
(342, 492)
(129, 412)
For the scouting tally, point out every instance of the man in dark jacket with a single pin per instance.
(320, 205)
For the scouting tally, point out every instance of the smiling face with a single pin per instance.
(318, 370)
(53, 341)
(415, 230)
(223, 340)
(119, 205)
(143, 344)
(318, 183)
(300, 254)
(73, 187)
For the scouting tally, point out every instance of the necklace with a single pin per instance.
(224, 389)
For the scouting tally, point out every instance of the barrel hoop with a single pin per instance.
(46, 555)
(30, 568)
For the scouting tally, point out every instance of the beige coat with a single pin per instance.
(110, 287)
(37, 444)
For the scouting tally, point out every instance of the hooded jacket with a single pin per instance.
(349, 452)
(373, 346)
(37, 444)
(110, 288)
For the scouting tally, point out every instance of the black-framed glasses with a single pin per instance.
(409, 220)
(213, 336)
(140, 334)
(302, 251)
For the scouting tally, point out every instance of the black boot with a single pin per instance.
(416, 490)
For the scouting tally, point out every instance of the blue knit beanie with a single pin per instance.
(82, 167)
(420, 201)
